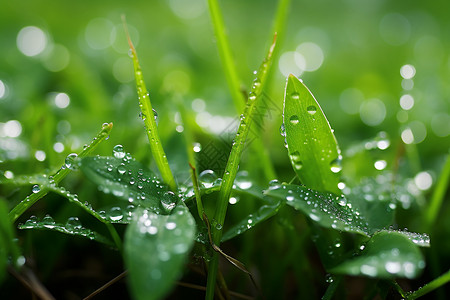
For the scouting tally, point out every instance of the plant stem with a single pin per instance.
(233, 164)
(436, 283)
(332, 288)
(226, 56)
(149, 119)
(20, 208)
(438, 196)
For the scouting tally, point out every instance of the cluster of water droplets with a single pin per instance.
(72, 226)
(420, 239)
(391, 261)
(327, 209)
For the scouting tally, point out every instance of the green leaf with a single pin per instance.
(129, 180)
(313, 150)
(263, 213)
(5, 229)
(374, 199)
(326, 209)
(386, 255)
(156, 247)
(71, 227)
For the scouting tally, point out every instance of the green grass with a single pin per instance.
(186, 210)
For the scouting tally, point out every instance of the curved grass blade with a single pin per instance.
(326, 209)
(386, 255)
(19, 209)
(8, 246)
(149, 120)
(156, 247)
(129, 180)
(263, 213)
(71, 227)
(313, 149)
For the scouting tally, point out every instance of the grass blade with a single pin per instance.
(19, 209)
(386, 255)
(438, 195)
(149, 121)
(313, 149)
(233, 162)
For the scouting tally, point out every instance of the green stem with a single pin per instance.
(438, 282)
(115, 236)
(438, 195)
(149, 120)
(332, 288)
(226, 56)
(20, 208)
(233, 164)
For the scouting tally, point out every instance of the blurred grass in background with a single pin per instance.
(375, 66)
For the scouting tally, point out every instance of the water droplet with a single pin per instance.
(121, 169)
(219, 226)
(155, 115)
(115, 214)
(295, 159)
(73, 223)
(335, 165)
(283, 130)
(242, 180)
(295, 96)
(274, 184)
(35, 189)
(311, 109)
(207, 178)
(252, 96)
(171, 225)
(70, 161)
(118, 151)
(32, 221)
(294, 120)
(48, 222)
(197, 147)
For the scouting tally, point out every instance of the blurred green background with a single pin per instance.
(380, 69)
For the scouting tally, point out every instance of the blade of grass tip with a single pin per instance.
(233, 163)
(438, 196)
(329, 293)
(20, 208)
(233, 78)
(431, 286)
(149, 120)
(226, 56)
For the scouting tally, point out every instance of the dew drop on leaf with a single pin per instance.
(335, 165)
(294, 120)
(295, 96)
(70, 161)
(115, 214)
(311, 109)
(118, 151)
(35, 189)
(207, 178)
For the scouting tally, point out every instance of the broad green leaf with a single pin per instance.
(386, 255)
(313, 150)
(128, 179)
(419, 239)
(374, 199)
(263, 213)
(72, 227)
(327, 209)
(156, 247)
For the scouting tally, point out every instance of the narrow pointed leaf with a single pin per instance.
(326, 209)
(386, 255)
(263, 213)
(71, 227)
(156, 247)
(312, 147)
(129, 180)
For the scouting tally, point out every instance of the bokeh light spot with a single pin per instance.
(31, 41)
